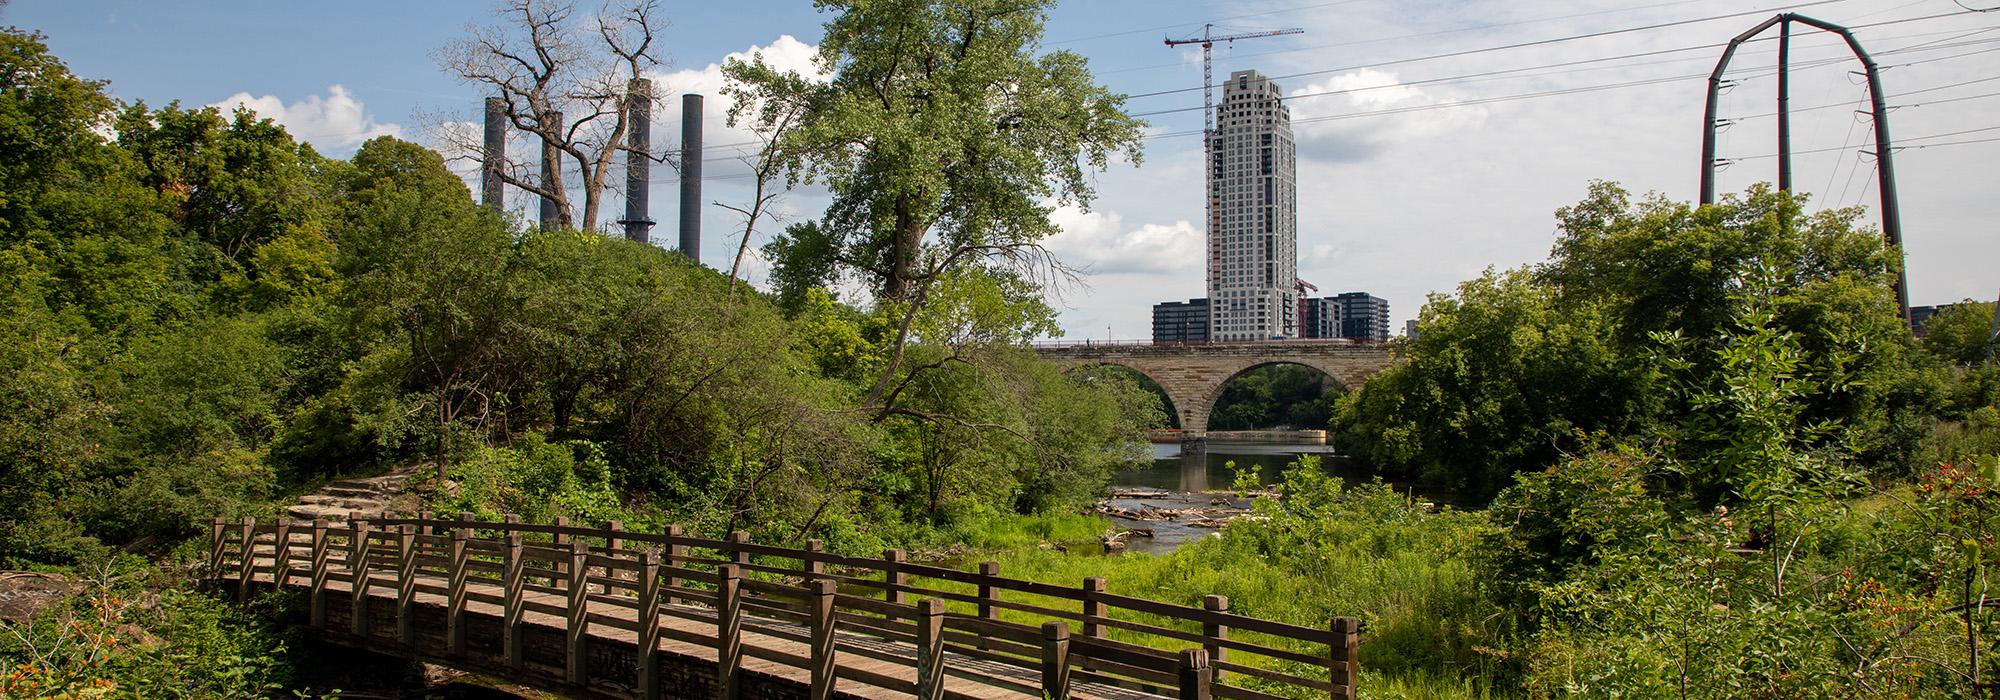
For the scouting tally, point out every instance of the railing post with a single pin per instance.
(320, 559)
(215, 547)
(611, 542)
(813, 567)
(738, 555)
(1093, 607)
(406, 585)
(455, 591)
(930, 649)
(1345, 669)
(893, 576)
(513, 580)
(281, 555)
(988, 593)
(1055, 660)
(578, 609)
(1195, 675)
(249, 562)
(1215, 631)
(357, 559)
(560, 540)
(823, 624)
(676, 555)
(424, 522)
(649, 625)
(728, 631)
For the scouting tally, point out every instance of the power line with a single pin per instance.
(1897, 148)
(1212, 21)
(1530, 69)
(1525, 44)
(1420, 35)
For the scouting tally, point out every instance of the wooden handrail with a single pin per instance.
(616, 579)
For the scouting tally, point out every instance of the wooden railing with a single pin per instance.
(853, 619)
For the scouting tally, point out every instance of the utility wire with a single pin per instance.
(1419, 35)
(1897, 148)
(1469, 77)
(1505, 47)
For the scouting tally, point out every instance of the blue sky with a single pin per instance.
(1401, 203)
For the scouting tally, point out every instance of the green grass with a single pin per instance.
(1404, 572)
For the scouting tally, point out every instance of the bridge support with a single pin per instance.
(1194, 462)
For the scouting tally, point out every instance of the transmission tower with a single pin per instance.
(1878, 112)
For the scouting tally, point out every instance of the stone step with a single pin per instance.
(347, 491)
(365, 504)
(305, 511)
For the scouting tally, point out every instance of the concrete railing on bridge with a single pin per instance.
(606, 612)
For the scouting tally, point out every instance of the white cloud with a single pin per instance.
(1370, 90)
(334, 122)
(783, 53)
(1099, 242)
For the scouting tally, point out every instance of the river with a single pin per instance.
(1173, 483)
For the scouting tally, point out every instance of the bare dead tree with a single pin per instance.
(563, 80)
(769, 120)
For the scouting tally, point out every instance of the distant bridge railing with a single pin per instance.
(557, 603)
(1086, 342)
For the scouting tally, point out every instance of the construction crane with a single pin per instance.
(1303, 302)
(1207, 41)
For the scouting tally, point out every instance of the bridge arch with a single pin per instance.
(1174, 402)
(1214, 393)
(1193, 376)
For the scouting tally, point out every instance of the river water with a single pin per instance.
(1174, 483)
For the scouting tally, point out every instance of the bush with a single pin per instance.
(117, 638)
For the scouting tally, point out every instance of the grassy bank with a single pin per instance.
(1334, 550)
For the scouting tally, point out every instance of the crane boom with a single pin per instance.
(1207, 41)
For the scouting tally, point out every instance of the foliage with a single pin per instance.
(116, 638)
(1275, 395)
(1961, 333)
(1499, 379)
(1522, 366)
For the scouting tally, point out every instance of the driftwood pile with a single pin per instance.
(1209, 517)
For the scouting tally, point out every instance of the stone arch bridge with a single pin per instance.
(1194, 375)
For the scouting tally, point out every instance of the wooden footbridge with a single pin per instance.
(605, 612)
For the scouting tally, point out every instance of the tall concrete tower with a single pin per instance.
(1253, 233)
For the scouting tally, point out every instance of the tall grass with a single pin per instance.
(1334, 550)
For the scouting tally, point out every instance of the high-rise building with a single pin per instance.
(1181, 321)
(1410, 328)
(1253, 214)
(1363, 316)
(1321, 318)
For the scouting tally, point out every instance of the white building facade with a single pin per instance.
(1253, 214)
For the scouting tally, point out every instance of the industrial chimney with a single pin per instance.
(691, 176)
(639, 163)
(552, 174)
(495, 157)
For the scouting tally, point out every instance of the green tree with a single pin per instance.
(1961, 333)
(1507, 375)
(944, 138)
(1500, 379)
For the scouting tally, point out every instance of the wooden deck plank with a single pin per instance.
(966, 677)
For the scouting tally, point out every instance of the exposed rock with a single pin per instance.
(25, 594)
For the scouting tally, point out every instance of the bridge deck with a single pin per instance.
(966, 676)
(727, 619)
